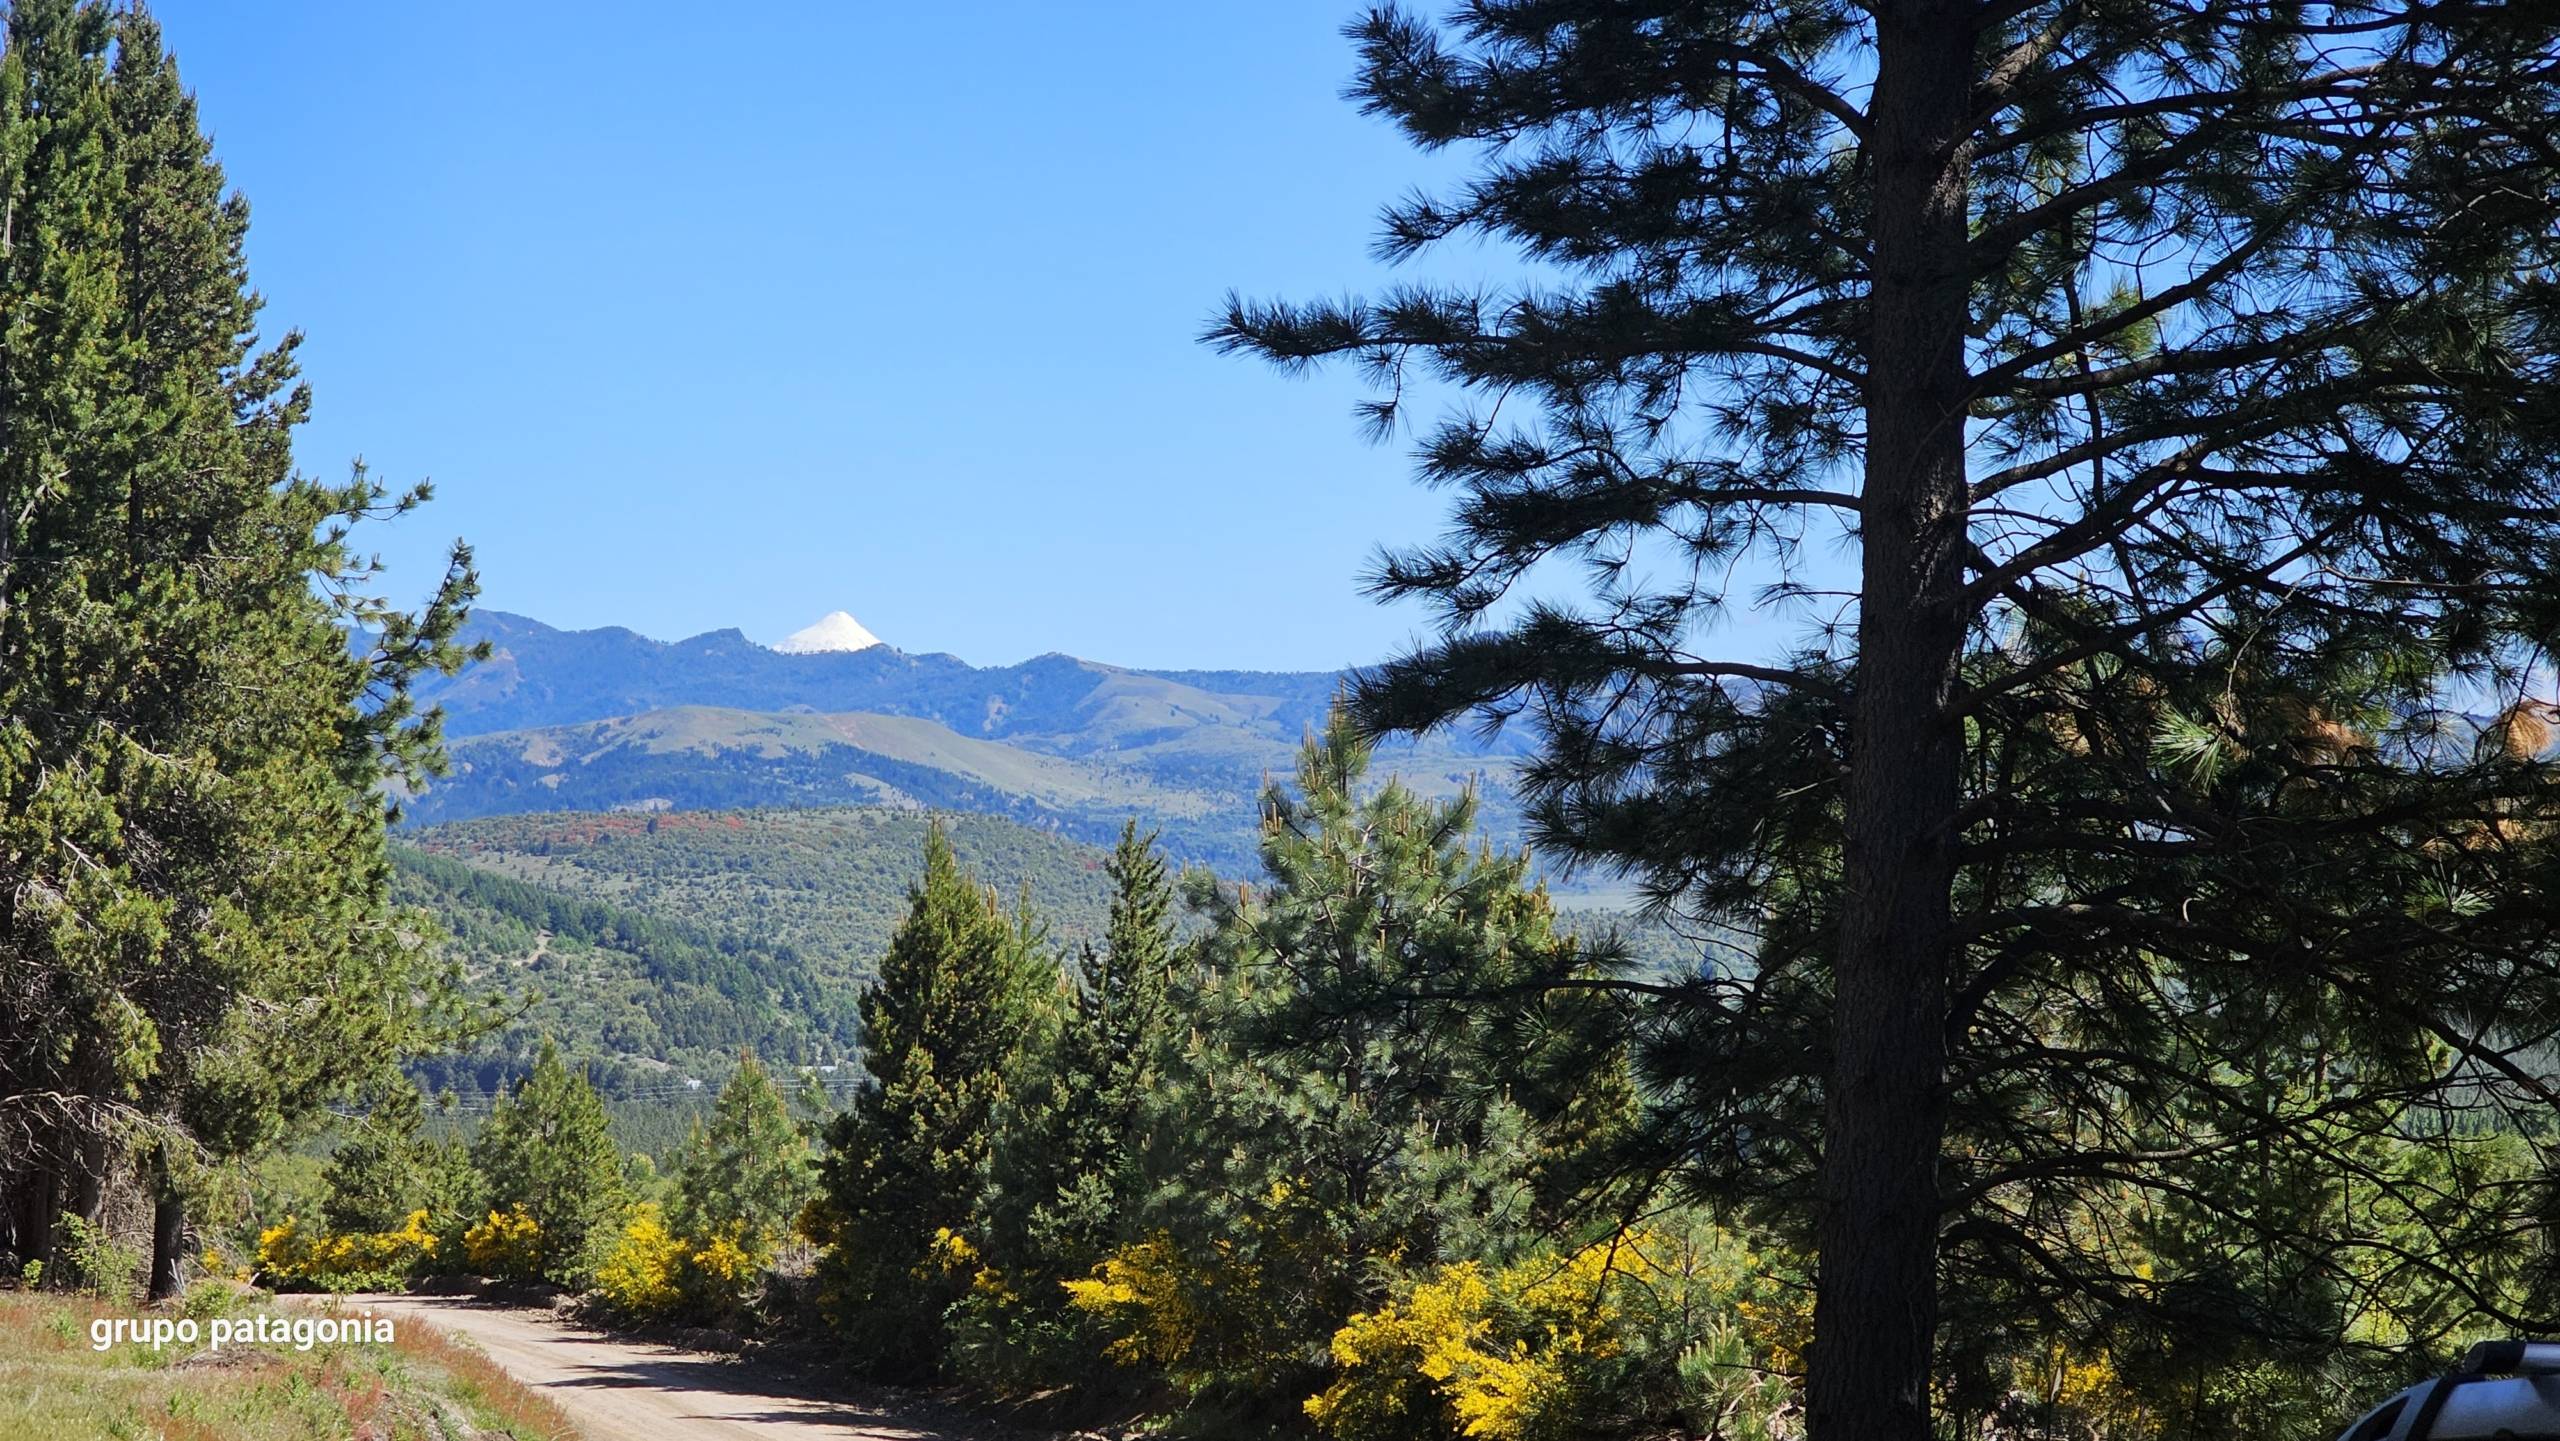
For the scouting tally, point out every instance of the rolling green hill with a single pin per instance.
(656, 947)
(1197, 785)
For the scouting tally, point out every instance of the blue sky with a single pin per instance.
(699, 321)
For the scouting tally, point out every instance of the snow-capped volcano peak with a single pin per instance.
(835, 631)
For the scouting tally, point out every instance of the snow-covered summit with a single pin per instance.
(835, 631)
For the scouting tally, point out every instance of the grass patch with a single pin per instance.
(425, 1385)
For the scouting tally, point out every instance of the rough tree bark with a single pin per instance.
(168, 1231)
(39, 1201)
(1875, 1319)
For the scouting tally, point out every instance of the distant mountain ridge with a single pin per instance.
(539, 675)
(612, 720)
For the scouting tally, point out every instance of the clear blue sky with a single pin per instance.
(702, 317)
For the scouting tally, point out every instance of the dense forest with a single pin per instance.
(827, 882)
(1173, 1162)
(655, 948)
(618, 983)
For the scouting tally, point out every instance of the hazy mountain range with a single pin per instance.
(612, 720)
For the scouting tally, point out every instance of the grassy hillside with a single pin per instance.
(1190, 771)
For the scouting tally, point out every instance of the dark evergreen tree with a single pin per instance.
(1341, 1115)
(389, 1169)
(1076, 1157)
(2182, 377)
(1076, 1153)
(746, 1172)
(956, 998)
(197, 945)
(546, 1150)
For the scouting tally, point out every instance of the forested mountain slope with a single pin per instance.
(658, 946)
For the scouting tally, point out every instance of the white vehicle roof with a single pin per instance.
(2503, 1389)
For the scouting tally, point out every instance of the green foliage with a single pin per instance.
(196, 947)
(2184, 383)
(546, 1154)
(389, 1169)
(97, 1263)
(960, 989)
(1340, 1117)
(1076, 1153)
(746, 1173)
(647, 942)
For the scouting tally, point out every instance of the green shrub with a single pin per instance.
(100, 1265)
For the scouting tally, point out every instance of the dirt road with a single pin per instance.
(619, 1390)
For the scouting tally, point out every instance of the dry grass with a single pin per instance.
(53, 1384)
(527, 1413)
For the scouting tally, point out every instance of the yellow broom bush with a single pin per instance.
(508, 1243)
(655, 1273)
(292, 1256)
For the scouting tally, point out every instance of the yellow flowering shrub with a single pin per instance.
(2087, 1386)
(950, 1252)
(293, 1256)
(1242, 1313)
(655, 1272)
(508, 1243)
(720, 1270)
(1484, 1355)
(1151, 1297)
(641, 1273)
(1545, 1347)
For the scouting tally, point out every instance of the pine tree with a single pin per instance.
(547, 1150)
(389, 1169)
(1075, 1159)
(943, 1025)
(2183, 379)
(193, 895)
(1372, 1079)
(746, 1171)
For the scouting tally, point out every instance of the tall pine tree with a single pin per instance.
(548, 1152)
(746, 1173)
(943, 1025)
(2181, 377)
(195, 938)
(1344, 1115)
(1077, 1157)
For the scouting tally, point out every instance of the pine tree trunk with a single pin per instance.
(168, 1233)
(89, 1199)
(38, 1205)
(1875, 1316)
